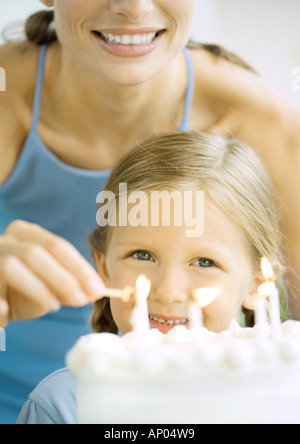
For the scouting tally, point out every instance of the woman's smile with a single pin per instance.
(129, 43)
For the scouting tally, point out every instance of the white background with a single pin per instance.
(266, 33)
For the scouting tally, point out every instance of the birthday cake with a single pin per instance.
(231, 377)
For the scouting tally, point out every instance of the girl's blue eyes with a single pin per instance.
(205, 263)
(142, 256)
(145, 256)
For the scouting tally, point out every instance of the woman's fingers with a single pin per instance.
(39, 272)
(67, 265)
(45, 268)
(27, 296)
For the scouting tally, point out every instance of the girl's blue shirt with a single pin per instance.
(53, 401)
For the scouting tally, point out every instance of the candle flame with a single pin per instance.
(143, 287)
(266, 289)
(267, 270)
(205, 296)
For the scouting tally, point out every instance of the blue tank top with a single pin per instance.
(44, 190)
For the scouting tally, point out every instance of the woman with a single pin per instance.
(114, 74)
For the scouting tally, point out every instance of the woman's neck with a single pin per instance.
(96, 104)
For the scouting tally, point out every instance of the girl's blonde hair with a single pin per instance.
(230, 173)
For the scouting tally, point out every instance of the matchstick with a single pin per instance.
(124, 294)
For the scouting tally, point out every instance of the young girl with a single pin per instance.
(240, 225)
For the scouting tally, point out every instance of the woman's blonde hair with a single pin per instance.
(230, 173)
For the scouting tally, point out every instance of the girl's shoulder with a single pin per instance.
(53, 401)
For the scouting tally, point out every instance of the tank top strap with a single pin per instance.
(190, 91)
(39, 87)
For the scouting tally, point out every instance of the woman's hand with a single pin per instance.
(39, 272)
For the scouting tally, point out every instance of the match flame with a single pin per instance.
(267, 270)
(205, 296)
(143, 287)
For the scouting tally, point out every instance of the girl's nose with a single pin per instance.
(134, 10)
(169, 287)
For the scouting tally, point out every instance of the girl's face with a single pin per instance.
(125, 41)
(177, 265)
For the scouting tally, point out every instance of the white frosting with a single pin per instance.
(232, 377)
(236, 348)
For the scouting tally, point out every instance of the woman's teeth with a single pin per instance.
(134, 39)
(175, 322)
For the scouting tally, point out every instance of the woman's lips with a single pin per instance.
(129, 43)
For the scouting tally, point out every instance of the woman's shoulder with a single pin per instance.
(235, 94)
(19, 61)
(220, 79)
(53, 401)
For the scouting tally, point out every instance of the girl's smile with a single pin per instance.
(166, 324)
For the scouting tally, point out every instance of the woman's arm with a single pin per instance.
(38, 270)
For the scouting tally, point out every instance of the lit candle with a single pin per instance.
(140, 315)
(261, 314)
(200, 299)
(268, 289)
